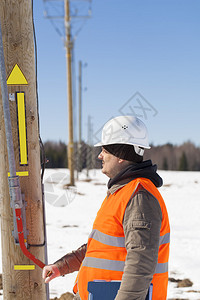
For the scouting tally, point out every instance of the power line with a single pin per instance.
(80, 12)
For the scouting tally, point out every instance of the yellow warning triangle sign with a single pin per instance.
(16, 77)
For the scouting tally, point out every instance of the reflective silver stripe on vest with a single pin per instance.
(165, 239)
(106, 264)
(161, 268)
(119, 241)
(116, 265)
(107, 239)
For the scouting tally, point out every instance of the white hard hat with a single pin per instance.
(125, 130)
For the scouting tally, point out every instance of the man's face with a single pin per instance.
(110, 163)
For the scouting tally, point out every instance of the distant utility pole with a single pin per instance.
(90, 155)
(80, 117)
(69, 43)
(21, 277)
(69, 46)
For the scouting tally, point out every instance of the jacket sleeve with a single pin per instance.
(141, 224)
(71, 262)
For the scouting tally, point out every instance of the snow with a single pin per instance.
(70, 214)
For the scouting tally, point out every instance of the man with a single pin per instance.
(130, 236)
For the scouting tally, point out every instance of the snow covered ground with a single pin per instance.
(70, 214)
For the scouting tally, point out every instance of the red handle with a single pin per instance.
(21, 240)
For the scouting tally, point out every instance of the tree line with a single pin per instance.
(185, 157)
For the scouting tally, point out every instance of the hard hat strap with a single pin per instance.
(139, 150)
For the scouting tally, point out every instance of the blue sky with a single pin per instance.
(139, 53)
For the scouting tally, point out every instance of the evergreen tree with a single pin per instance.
(56, 154)
(183, 164)
(165, 164)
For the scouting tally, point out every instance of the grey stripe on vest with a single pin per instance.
(165, 239)
(107, 239)
(106, 264)
(161, 267)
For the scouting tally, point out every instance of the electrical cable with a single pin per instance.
(40, 140)
(44, 244)
(75, 16)
(61, 32)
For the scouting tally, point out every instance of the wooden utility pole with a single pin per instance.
(69, 43)
(80, 100)
(69, 46)
(17, 33)
(89, 149)
(80, 117)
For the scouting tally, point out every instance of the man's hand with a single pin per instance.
(50, 272)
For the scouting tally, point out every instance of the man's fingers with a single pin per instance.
(49, 278)
(44, 272)
(50, 272)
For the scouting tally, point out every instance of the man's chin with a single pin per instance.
(104, 172)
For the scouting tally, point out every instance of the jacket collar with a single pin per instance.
(134, 171)
(115, 187)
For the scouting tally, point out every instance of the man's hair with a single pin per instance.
(123, 151)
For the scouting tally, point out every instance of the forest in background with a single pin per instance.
(185, 157)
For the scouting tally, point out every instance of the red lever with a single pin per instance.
(21, 240)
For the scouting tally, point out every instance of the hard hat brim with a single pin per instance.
(100, 144)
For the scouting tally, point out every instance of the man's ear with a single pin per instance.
(120, 160)
(124, 162)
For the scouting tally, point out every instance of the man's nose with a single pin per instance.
(100, 156)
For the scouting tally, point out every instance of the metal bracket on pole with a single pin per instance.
(15, 192)
(15, 202)
(18, 203)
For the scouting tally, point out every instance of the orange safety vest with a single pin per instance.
(106, 253)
